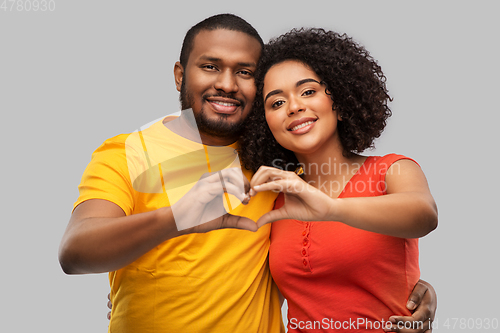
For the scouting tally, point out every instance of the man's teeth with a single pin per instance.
(294, 128)
(224, 104)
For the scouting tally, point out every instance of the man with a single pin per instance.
(167, 276)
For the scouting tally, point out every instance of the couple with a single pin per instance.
(202, 280)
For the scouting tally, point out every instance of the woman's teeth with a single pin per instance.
(294, 128)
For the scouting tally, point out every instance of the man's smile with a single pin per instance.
(223, 104)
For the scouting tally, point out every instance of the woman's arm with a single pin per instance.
(408, 210)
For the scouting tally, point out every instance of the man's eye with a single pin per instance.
(211, 67)
(245, 72)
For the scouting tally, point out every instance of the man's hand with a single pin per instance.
(202, 209)
(110, 306)
(423, 301)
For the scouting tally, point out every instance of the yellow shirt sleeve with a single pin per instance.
(107, 176)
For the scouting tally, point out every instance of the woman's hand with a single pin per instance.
(302, 201)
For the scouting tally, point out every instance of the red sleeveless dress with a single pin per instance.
(339, 278)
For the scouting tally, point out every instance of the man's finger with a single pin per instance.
(416, 296)
(274, 215)
(231, 189)
(238, 222)
(235, 176)
(244, 181)
(408, 324)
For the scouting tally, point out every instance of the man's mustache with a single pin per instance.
(223, 95)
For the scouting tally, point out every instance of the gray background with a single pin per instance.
(89, 70)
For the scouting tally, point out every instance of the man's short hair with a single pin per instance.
(220, 21)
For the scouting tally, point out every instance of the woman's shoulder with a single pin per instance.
(380, 165)
(389, 159)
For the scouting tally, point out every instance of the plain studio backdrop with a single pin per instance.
(79, 72)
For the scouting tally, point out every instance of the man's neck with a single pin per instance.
(217, 141)
(182, 126)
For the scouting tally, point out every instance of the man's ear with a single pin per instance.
(178, 75)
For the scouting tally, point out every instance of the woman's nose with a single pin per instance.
(295, 105)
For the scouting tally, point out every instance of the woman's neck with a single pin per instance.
(328, 169)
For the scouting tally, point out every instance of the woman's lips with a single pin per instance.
(302, 125)
(303, 128)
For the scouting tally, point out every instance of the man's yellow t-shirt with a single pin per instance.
(213, 282)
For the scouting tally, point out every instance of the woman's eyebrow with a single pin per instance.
(274, 92)
(299, 83)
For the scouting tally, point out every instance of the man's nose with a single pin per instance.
(226, 81)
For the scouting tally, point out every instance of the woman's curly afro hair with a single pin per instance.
(352, 77)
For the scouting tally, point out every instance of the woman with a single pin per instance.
(321, 101)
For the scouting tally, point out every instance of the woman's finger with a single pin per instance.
(266, 174)
(290, 186)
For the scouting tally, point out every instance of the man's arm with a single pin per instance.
(423, 301)
(101, 238)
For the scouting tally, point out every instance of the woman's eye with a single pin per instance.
(277, 104)
(308, 92)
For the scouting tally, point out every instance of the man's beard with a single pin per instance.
(219, 127)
